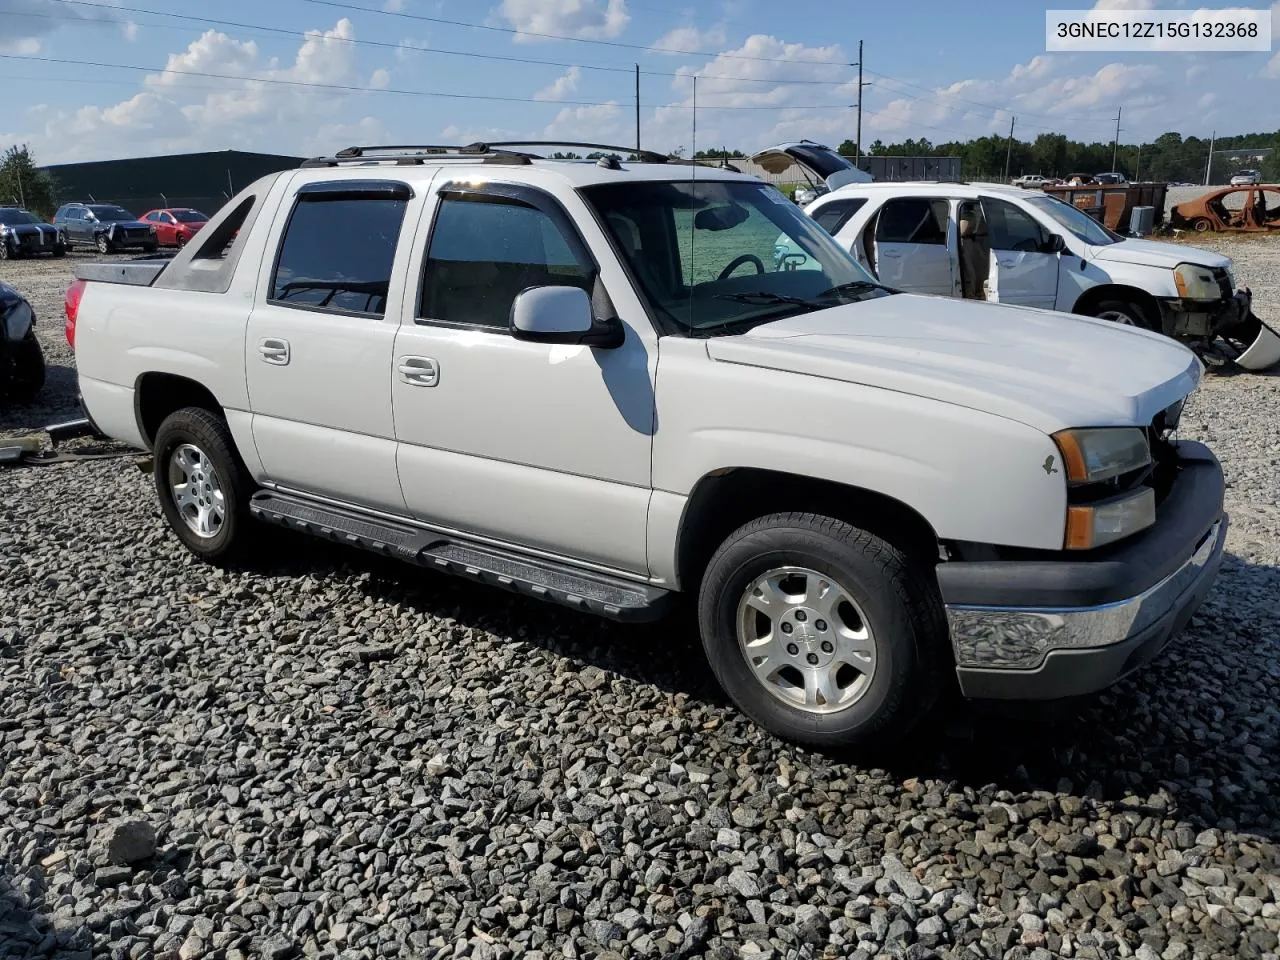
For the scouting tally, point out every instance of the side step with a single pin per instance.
(596, 593)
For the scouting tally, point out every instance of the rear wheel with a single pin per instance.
(1201, 225)
(204, 487)
(24, 377)
(820, 632)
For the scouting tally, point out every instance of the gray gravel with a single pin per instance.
(340, 756)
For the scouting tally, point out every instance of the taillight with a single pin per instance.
(71, 306)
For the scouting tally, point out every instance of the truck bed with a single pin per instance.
(138, 272)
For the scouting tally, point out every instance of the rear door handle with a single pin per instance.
(419, 371)
(274, 350)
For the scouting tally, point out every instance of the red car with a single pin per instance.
(175, 225)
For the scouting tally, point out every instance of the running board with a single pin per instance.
(596, 593)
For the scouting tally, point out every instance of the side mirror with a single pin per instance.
(1055, 244)
(562, 315)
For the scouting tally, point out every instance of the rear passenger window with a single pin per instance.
(337, 253)
(834, 215)
(913, 220)
(485, 250)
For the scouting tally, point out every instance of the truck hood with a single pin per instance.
(1045, 369)
(1152, 253)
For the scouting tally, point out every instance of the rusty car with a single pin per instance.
(1252, 208)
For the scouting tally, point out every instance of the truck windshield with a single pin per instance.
(1079, 223)
(719, 256)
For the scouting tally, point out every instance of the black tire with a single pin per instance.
(1124, 312)
(104, 244)
(1201, 225)
(896, 597)
(208, 434)
(181, 240)
(24, 377)
(149, 248)
(60, 251)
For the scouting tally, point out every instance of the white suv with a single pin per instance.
(588, 382)
(1002, 244)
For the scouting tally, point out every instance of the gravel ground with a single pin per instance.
(331, 755)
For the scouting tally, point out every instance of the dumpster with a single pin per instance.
(1112, 204)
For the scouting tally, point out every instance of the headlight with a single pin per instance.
(1110, 520)
(1102, 453)
(1195, 282)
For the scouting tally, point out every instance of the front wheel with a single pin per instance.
(820, 632)
(103, 243)
(60, 250)
(1124, 312)
(203, 486)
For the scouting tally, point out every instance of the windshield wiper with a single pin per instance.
(766, 297)
(854, 287)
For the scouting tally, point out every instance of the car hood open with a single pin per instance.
(1045, 369)
(1153, 253)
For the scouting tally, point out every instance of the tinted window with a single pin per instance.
(834, 215)
(337, 254)
(483, 253)
(15, 217)
(913, 220)
(1011, 228)
(111, 213)
(189, 216)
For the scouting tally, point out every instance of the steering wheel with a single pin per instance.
(739, 261)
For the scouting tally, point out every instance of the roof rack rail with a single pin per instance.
(417, 154)
(646, 156)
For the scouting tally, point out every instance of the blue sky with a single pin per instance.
(311, 76)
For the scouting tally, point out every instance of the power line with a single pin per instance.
(988, 106)
(555, 36)
(352, 88)
(355, 41)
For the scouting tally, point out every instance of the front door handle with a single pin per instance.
(419, 371)
(274, 350)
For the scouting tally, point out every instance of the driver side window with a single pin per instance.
(1013, 229)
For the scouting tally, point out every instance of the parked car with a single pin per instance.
(1246, 178)
(175, 225)
(1231, 208)
(105, 227)
(21, 360)
(23, 234)
(1112, 177)
(1030, 181)
(865, 490)
(1033, 250)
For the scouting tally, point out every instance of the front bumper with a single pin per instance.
(1204, 318)
(1047, 629)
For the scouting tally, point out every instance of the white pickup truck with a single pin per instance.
(587, 382)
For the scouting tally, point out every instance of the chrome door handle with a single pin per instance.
(419, 371)
(274, 350)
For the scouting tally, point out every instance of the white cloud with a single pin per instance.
(477, 134)
(1125, 5)
(1272, 69)
(408, 48)
(598, 122)
(335, 136)
(20, 33)
(587, 19)
(562, 86)
(130, 31)
(393, 6)
(689, 39)
(174, 112)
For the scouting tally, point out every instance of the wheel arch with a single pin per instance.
(1089, 300)
(724, 500)
(156, 395)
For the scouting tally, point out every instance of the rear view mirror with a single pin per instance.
(1055, 244)
(561, 315)
(723, 217)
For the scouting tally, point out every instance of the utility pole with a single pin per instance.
(693, 152)
(637, 106)
(1208, 167)
(1115, 144)
(1009, 150)
(857, 150)
(1138, 168)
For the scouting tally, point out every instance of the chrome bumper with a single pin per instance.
(1015, 640)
